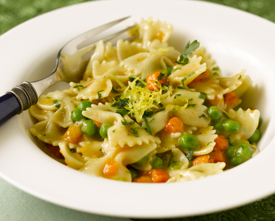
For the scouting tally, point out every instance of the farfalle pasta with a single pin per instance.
(146, 112)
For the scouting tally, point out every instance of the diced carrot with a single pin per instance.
(73, 133)
(152, 79)
(201, 160)
(231, 100)
(144, 173)
(143, 179)
(110, 168)
(201, 77)
(55, 151)
(174, 125)
(98, 124)
(159, 175)
(221, 143)
(217, 156)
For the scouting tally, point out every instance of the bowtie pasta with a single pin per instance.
(145, 112)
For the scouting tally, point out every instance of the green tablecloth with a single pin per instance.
(17, 205)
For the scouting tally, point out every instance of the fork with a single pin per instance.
(79, 49)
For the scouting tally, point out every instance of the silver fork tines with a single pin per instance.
(78, 42)
(90, 41)
(27, 93)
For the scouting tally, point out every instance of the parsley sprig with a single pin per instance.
(121, 104)
(189, 48)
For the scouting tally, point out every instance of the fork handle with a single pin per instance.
(20, 98)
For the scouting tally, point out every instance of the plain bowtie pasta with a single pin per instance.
(145, 112)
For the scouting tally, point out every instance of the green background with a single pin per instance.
(17, 205)
(14, 12)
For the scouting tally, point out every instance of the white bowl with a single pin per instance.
(236, 40)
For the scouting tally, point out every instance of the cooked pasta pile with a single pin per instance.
(145, 112)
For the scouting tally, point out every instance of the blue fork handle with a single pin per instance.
(9, 106)
(20, 98)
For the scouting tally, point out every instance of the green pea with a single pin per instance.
(76, 115)
(240, 154)
(230, 152)
(189, 142)
(103, 131)
(89, 128)
(234, 161)
(157, 163)
(215, 113)
(231, 126)
(84, 104)
(260, 122)
(142, 161)
(256, 136)
(134, 173)
(244, 151)
(219, 126)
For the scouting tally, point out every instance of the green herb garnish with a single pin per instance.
(216, 73)
(177, 95)
(185, 78)
(120, 103)
(215, 68)
(170, 159)
(126, 123)
(99, 94)
(131, 79)
(114, 90)
(57, 105)
(161, 76)
(140, 83)
(135, 132)
(169, 71)
(79, 87)
(148, 128)
(191, 105)
(162, 109)
(203, 115)
(189, 48)
(148, 113)
(189, 156)
(122, 112)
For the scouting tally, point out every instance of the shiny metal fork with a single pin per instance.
(77, 52)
